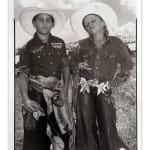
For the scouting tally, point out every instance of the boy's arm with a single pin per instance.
(29, 105)
(125, 62)
(66, 78)
(65, 72)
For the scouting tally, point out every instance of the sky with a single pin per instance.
(124, 9)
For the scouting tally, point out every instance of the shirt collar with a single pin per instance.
(107, 40)
(38, 41)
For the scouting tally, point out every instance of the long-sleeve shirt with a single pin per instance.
(103, 60)
(46, 59)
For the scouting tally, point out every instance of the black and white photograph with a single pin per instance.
(75, 75)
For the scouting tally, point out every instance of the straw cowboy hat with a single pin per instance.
(98, 8)
(27, 15)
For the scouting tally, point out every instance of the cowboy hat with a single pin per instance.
(98, 8)
(27, 15)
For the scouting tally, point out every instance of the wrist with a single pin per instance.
(26, 99)
(65, 87)
(25, 102)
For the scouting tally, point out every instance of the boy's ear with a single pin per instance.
(103, 23)
(33, 22)
(53, 25)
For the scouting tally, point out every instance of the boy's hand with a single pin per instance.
(83, 65)
(102, 87)
(32, 106)
(64, 93)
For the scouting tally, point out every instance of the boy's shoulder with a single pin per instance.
(83, 41)
(30, 43)
(115, 39)
(56, 39)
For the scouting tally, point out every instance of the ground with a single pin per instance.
(125, 103)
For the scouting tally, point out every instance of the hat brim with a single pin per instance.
(100, 9)
(27, 15)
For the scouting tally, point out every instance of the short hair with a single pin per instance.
(35, 17)
(106, 32)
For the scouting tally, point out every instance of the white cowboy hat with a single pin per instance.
(98, 8)
(27, 15)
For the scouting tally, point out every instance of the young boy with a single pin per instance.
(43, 56)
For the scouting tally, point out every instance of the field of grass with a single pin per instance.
(125, 103)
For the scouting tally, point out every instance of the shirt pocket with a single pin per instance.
(38, 57)
(108, 56)
(87, 56)
(56, 56)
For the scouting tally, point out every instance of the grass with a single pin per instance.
(125, 103)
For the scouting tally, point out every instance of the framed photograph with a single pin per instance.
(75, 75)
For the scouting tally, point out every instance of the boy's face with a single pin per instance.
(93, 24)
(43, 23)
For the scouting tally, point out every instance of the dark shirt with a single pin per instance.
(46, 59)
(103, 60)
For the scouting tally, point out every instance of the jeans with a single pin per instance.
(37, 139)
(96, 123)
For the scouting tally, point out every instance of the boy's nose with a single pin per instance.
(44, 22)
(90, 25)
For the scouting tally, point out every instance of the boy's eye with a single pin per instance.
(93, 21)
(40, 20)
(48, 20)
(86, 25)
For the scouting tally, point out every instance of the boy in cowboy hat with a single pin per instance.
(43, 56)
(96, 58)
